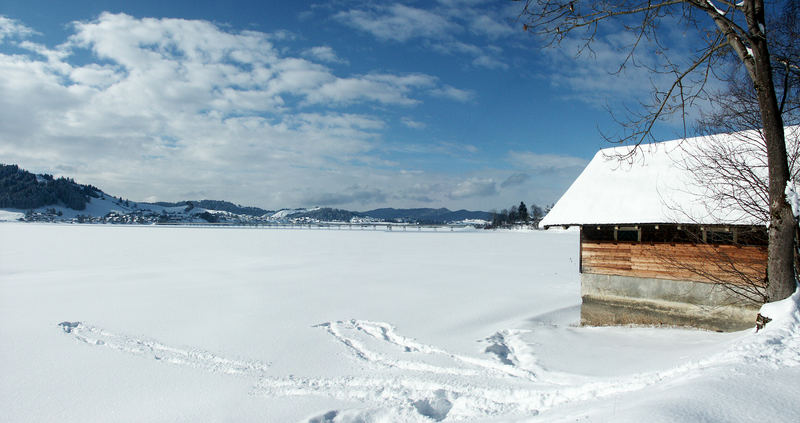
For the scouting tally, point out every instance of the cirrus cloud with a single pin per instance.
(543, 162)
(515, 179)
(398, 22)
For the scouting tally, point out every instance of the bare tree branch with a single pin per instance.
(736, 29)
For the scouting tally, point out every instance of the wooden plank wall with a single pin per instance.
(673, 261)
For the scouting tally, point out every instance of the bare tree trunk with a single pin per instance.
(558, 20)
(780, 266)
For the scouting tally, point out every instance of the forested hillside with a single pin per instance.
(216, 205)
(21, 189)
(328, 214)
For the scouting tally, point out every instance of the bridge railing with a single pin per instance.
(386, 226)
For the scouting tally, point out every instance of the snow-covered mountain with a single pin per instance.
(31, 197)
(26, 196)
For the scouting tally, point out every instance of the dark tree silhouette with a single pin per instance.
(523, 212)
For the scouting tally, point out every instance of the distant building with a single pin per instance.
(655, 248)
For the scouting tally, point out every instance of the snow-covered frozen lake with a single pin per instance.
(131, 324)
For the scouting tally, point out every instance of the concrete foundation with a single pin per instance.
(621, 300)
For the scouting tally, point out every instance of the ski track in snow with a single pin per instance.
(356, 334)
(192, 357)
(411, 381)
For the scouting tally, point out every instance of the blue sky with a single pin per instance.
(349, 104)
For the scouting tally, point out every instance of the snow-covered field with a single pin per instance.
(131, 324)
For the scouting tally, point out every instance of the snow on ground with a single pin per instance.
(283, 214)
(95, 207)
(127, 323)
(10, 216)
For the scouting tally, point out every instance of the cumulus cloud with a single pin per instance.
(379, 87)
(10, 28)
(474, 187)
(323, 54)
(169, 106)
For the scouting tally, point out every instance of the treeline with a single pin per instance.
(425, 215)
(518, 215)
(328, 214)
(21, 189)
(217, 205)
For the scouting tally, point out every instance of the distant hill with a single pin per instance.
(21, 189)
(217, 205)
(426, 215)
(327, 214)
(25, 191)
(421, 215)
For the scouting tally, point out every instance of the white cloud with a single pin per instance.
(323, 54)
(489, 62)
(172, 106)
(474, 187)
(96, 76)
(452, 47)
(398, 22)
(296, 77)
(453, 93)
(540, 162)
(591, 75)
(355, 194)
(333, 121)
(470, 148)
(383, 88)
(10, 28)
(597, 76)
(515, 179)
(445, 27)
(486, 25)
(483, 57)
(411, 123)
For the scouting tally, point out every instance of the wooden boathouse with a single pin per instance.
(654, 250)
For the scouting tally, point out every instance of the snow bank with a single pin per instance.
(778, 342)
(196, 324)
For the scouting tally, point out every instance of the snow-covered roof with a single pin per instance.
(658, 187)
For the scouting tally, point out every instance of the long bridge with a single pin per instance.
(386, 226)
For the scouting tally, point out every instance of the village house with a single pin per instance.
(657, 246)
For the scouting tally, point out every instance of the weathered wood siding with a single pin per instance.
(674, 261)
